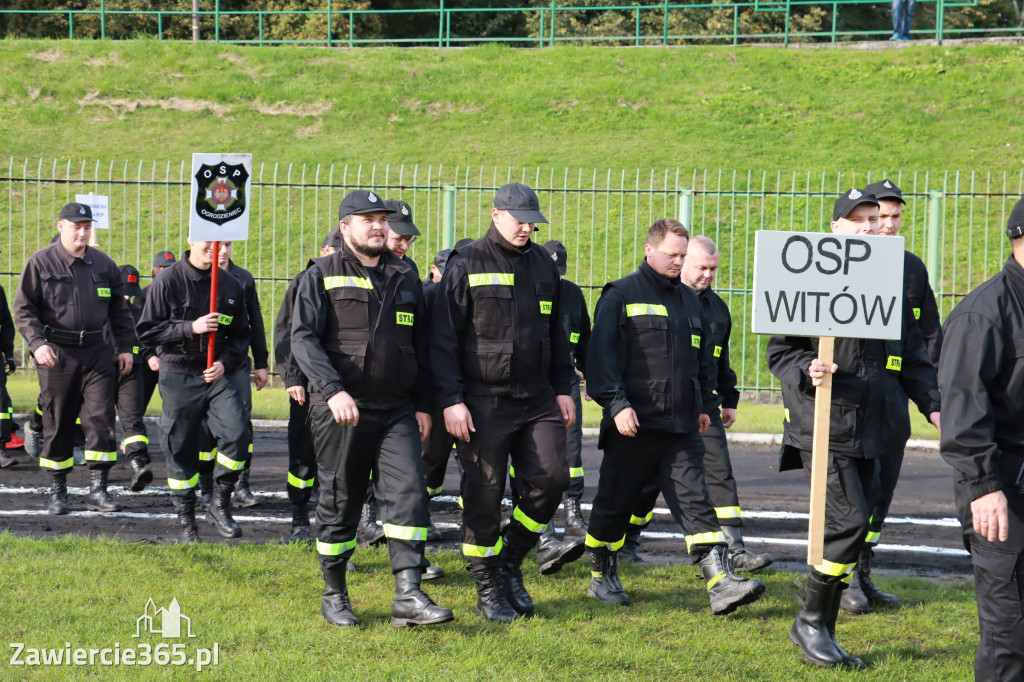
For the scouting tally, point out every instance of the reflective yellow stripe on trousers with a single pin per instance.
(410, 533)
(177, 484)
(704, 539)
(594, 543)
(334, 548)
(296, 482)
(481, 551)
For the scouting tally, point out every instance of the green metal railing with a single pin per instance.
(653, 24)
(954, 220)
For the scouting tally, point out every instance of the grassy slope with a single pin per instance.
(707, 107)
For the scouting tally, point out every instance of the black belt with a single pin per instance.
(194, 345)
(66, 337)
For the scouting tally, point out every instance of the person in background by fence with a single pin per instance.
(9, 365)
(902, 19)
(151, 372)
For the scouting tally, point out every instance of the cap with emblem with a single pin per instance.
(76, 213)
(163, 259)
(1015, 224)
(332, 239)
(558, 254)
(441, 258)
(131, 280)
(886, 190)
(400, 218)
(847, 201)
(520, 201)
(361, 201)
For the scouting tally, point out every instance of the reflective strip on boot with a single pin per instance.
(296, 482)
(714, 581)
(641, 520)
(334, 548)
(97, 456)
(594, 543)
(728, 512)
(134, 439)
(50, 464)
(229, 463)
(207, 456)
(576, 472)
(711, 538)
(531, 525)
(411, 533)
(480, 551)
(843, 571)
(177, 484)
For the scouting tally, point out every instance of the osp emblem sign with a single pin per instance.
(220, 197)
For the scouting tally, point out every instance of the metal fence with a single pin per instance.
(656, 23)
(953, 220)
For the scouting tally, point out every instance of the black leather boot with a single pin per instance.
(604, 579)
(432, 572)
(742, 558)
(433, 532)
(853, 599)
(575, 524)
(205, 490)
(335, 606)
(98, 499)
(186, 509)
(810, 630)
(242, 496)
(491, 602)
(369, 532)
(300, 523)
(141, 474)
(516, 545)
(411, 605)
(726, 590)
(58, 503)
(833, 616)
(630, 552)
(219, 513)
(871, 591)
(553, 553)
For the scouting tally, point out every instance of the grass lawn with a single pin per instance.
(260, 605)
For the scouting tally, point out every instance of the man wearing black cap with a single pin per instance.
(402, 231)
(150, 373)
(981, 376)
(864, 403)
(504, 378)
(358, 335)
(177, 322)
(76, 376)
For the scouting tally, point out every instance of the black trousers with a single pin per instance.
(887, 475)
(208, 441)
(301, 455)
(846, 511)
(188, 401)
(150, 380)
(81, 382)
(629, 464)
(5, 409)
(386, 442)
(574, 443)
(436, 451)
(718, 474)
(533, 434)
(130, 412)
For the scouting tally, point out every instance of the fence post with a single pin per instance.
(940, 13)
(934, 236)
(329, 26)
(103, 19)
(449, 214)
(686, 208)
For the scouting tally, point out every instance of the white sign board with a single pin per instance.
(220, 197)
(821, 284)
(100, 209)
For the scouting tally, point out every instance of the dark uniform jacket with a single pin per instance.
(869, 392)
(647, 351)
(6, 330)
(72, 294)
(921, 299)
(258, 331)
(719, 331)
(577, 322)
(284, 359)
(349, 334)
(179, 296)
(981, 375)
(497, 326)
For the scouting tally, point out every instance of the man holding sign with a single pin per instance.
(861, 401)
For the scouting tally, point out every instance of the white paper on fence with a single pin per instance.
(100, 209)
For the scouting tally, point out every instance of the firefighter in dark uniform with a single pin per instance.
(981, 376)
(358, 335)
(68, 291)
(504, 378)
(177, 323)
(9, 365)
(919, 297)
(864, 407)
(648, 369)
(151, 372)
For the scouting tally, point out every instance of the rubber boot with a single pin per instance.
(810, 630)
(141, 474)
(516, 545)
(871, 591)
(575, 524)
(604, 579)
(33, 442)
(219, 513)
(726, 590)
(854, 600)
(369, 532)
(300, 524)
(58, 503)
(630, 552)
(553, 553)
(833, 616)
(206, 490)
(335, 606)
(98, 499)
(743, 559)
(491, 602)
(411, 605)
(186, 509)
(242, 496)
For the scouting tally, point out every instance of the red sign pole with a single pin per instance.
(213, 302)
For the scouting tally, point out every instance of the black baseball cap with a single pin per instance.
(332, 239)
(131, 280)
(441, 258)
(558, 254)
(1015, 224)
(520, 201)
(163, 259)
(400, 219)
(361, 201)
(847, 201)
(76, 213)
(887, 190)
(462, 242)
